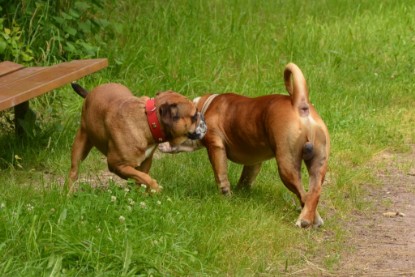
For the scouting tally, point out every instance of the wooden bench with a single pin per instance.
(19, 84)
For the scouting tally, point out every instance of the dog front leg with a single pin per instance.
(145, 165)
(187, 146)
(219, 161)
(248, 176)
(129, 172)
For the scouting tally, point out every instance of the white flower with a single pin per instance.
(2, 206)
(122, 219)
(131, 201)
(158, 202)
(113, 198)
(143, 205)
(143, 186)
(127, 189)
(29, 207)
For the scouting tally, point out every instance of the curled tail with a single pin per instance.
(297, 88)
(79, 90)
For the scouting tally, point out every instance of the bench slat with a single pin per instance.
(9, 67)
(32, 82)
(9, 79)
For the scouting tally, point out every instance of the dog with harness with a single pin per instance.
(249, 131)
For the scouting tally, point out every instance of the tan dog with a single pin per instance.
(118, 124)
(249, 131)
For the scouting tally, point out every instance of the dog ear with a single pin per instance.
(163, 92)
(168, 113)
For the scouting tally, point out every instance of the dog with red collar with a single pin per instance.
(249, 131)
(127, 129)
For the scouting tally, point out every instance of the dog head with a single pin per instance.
(180, 118)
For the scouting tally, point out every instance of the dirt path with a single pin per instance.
(383, 239)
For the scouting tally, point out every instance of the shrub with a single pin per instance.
(46, 31)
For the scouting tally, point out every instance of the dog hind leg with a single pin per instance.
(290, 174)
(80, 150)
(317, 168)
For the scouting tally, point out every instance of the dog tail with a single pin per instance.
(79, 90)
(297, 88)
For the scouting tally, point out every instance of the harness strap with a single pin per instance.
(207, 103)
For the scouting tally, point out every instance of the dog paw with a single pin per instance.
(226, 191)
(72, 188)
(166, 147)
(318, 221)
(302, 223)
(154, 190)
(154, 187)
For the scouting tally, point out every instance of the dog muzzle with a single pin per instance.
(200, 131)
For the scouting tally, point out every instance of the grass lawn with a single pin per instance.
(359, 61)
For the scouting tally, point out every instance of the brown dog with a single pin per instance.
(249, 131)
(127, 129)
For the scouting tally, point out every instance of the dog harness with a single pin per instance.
(207, 103)
(153, 121)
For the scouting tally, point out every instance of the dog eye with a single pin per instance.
(176, 118)
(194, 118)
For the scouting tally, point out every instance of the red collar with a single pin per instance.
(153, 121)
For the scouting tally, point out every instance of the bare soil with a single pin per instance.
(382, 241)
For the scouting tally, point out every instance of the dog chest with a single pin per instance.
(147, 153)
(150, 150)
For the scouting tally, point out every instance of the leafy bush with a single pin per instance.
(45, 31)
(11, 45)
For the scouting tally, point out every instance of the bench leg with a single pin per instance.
(20, 112)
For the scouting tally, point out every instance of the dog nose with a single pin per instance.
(201, 129)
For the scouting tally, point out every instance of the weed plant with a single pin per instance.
(45, 32)
(358, 59)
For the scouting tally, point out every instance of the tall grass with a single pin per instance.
(358, 59)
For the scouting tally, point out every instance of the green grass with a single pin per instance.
(359, 61)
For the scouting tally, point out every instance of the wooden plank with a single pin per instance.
(9, 67)
(17, 75)
(32, 82)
